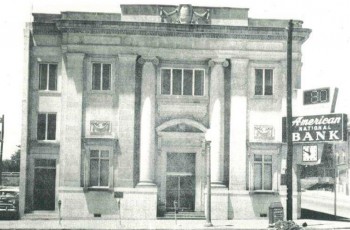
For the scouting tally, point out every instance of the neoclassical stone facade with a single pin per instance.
(121, 106)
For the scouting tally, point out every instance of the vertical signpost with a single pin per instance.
(289, 170)
(334, 102)
(2, 120)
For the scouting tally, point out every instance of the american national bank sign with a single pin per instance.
(317, 128)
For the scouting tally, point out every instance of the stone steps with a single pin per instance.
(183, 216)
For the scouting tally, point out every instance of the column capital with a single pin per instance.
(128, 57)
(239, 60)
(75, 55)
(222, 62)
(142, 60)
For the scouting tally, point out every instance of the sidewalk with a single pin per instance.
(161, 224)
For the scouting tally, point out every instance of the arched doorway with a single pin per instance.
(180, 172)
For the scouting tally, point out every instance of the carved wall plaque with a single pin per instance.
(100, 127)
(264, 132)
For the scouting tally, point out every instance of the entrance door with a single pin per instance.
(180, 182)
(44, 184)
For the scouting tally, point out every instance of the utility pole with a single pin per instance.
(289, 170)
(208, 207)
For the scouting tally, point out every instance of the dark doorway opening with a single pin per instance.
(180, 181)
(44, 184)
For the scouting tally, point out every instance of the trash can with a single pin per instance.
(275, 212)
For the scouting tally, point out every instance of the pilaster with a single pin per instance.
(125, 85)
(72, 99)
(238, 124)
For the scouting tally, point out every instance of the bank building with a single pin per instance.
(125, 106)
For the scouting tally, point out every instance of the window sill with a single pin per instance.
(49, 93)
(182, 99)
(101, 92)
(271, 192)
(98, 189)
(263, 97)
(48, 142)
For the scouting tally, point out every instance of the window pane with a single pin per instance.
(96, 76)
(51, 163)
(41, 126)
(51, 127)
(268, 158)
(43, 76)
(268, 82)
(257, 176)
(53, 77)
(165, 81)
(267, 177)
(188, 82)
(94, 153)
(41, 163)
(181, 162)
(177, 81)
(94, 172)
(104, 172)
(199, 82)
(258, 82)
(104, 153)
(106, 77)
(257, 157)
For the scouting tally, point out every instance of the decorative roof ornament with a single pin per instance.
(184, 14)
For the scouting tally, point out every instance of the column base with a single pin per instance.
(218, 185)
(142, 203)
(146, 184)
(219, 202)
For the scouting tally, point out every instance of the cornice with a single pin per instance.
(45, 28)
(168, 30)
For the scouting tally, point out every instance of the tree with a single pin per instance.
(12, 165)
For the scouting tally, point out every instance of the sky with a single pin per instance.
(325, 54)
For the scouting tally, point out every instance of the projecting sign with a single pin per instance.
(316, 96)
(317, 128)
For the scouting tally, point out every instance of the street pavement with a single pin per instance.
(323, 201)
(161, 224)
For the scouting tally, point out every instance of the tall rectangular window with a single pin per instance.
(262, 172)
(263, 81)
(199, 82)
(101, 76)
(177, 81)
(46, 127)
(48, 77)
(99, 168)
(165, 81)
(187, 82)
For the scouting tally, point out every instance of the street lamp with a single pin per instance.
(208, 156)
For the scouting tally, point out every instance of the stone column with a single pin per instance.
(238, 124)
(72, 102)
(216, 114)
(147, 124)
